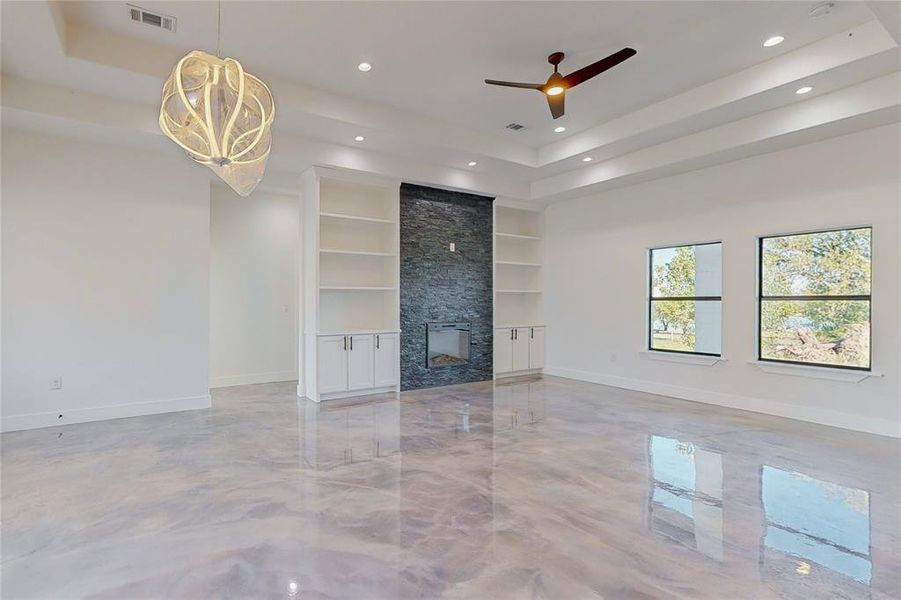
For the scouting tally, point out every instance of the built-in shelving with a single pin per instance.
(518, 267)
(355, 252)
(351, 262)
(327, 215)
(356, 288)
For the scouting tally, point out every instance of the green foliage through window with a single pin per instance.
(815, 298)
(685, 299)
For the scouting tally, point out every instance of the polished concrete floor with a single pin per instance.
(536, 489)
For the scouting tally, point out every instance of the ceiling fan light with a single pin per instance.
(221, 116)
(554, 90)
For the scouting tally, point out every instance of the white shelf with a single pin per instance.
(515, 325)
(355, 252)
(518, 236)
(347, 217)
(356, 288)
(518, 263)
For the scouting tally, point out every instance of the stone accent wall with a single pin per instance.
(437, 285)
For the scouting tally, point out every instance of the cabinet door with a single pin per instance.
(521, 349)
(503, 350)
(359, 362)
(385, 362)
(332, 369)
(536, 348)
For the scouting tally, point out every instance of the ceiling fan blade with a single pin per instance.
(528, 86)
(555, 103)
(586, 73)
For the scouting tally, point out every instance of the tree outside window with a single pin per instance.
(815, 298)
(685, 299)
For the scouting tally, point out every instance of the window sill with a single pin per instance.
(685, 359)
(816, 372)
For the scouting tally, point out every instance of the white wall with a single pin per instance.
(596, 261)
(105, 281)
(254, 244)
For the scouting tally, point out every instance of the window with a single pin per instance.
(684, 312)
(814, 298)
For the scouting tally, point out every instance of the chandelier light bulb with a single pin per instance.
(221, 116)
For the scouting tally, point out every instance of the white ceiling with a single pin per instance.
(431, 58)
(700, 77)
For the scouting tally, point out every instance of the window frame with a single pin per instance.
(807, 298)
(651, 299)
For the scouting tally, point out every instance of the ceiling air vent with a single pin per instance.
(142, 15)
(515, 126)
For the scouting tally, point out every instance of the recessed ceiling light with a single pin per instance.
(359, 138)
(587, 159)
(803, 90)
(364, 66)
(472, 163)
(773, 41)
(559, 129)
(554, 91)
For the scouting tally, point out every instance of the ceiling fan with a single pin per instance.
(556, 85)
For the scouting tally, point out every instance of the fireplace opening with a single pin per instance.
(447, 344)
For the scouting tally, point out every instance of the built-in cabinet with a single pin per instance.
(518, 349)
(351, 284)
(349, 363)
(519, 283)
(385, 362)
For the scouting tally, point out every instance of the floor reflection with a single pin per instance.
(539, 488)
(686, 499)
(343, 433)
(814, 529)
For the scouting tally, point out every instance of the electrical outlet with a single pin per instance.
(613, 357)
(57, 383)
(453, 247)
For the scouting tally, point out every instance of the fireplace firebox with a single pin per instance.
(447, 344)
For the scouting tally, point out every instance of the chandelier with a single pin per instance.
(221, 116)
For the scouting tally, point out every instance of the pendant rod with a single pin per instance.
(219, 28)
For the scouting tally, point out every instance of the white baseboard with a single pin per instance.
(354, 393)
(252, 378)
(517, 373)
(833, 418)
(102, 413)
